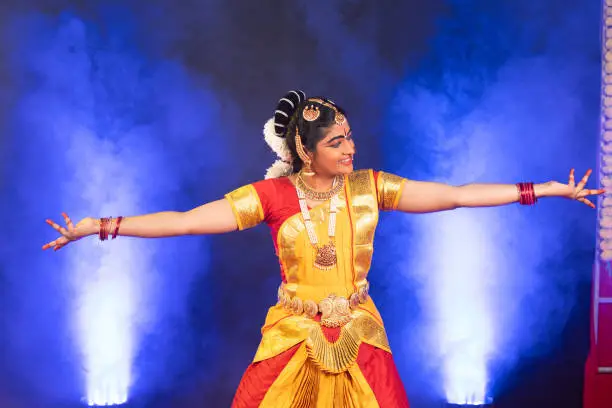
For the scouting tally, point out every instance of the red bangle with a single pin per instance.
(109, 222)
(103, 226)
(527, 194)
(524, 194)
(116, 232)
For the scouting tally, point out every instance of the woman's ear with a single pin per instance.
(310, 155)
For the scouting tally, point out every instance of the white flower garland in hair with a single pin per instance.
(279, 169)
(276, 143)
(282, 167)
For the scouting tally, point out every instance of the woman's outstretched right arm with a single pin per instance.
(212, 218)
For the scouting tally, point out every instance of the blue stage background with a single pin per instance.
(122, 108)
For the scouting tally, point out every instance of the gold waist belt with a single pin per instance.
(335, 310)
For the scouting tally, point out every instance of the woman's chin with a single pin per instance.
(345, 169)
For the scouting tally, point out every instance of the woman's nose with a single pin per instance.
(350, 148)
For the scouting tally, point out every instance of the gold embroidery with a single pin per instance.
(340, 355)
(356, 224)
(283, 330)
(389, 191)
(333, 357)
(301, 384)
(370, 331)
(294, 248)
(246, 206)
(364, 212)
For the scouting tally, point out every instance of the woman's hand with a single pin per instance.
(85, 227)
(574, 191)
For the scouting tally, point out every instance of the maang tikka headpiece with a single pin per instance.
(312, 112)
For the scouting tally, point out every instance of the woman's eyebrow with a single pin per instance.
(335, 137)
(350, 132)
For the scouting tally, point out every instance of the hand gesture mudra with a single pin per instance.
(575, 191)
(83, 228)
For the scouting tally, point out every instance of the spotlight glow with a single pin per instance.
(459, 245)
(107, 278)
(105, 321)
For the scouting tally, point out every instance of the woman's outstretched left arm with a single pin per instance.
(424, 197)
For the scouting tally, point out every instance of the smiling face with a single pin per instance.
(334, 152)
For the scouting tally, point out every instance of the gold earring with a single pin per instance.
(306, 169)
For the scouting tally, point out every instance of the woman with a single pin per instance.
(323, 344)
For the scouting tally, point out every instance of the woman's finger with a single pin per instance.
(584, 180)
(61, 245)
(587, 202)
(572, 181)
(54, 225)
(48, 245)
(61, 242)
(58, 228)
(589, 192)
(68, 221)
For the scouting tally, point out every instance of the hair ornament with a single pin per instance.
(311, 113)
(340, 119)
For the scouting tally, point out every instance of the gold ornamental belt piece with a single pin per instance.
(335, 310)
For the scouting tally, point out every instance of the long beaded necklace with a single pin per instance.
(325, 257)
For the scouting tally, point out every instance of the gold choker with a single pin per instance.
(320, 195)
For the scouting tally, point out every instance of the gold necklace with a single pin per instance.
(319, 195)
(325, 256)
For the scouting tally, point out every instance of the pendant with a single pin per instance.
(325, 258)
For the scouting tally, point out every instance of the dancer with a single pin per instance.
(323, 343)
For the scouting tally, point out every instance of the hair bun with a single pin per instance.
(285, 109)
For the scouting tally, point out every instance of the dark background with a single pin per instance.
(183, 60)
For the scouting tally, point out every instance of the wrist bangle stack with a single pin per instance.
(526, 193)
(106, 226)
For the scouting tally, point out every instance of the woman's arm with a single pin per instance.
(423, 197)
(212, 218)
